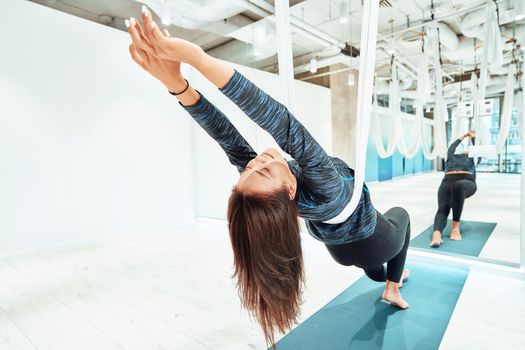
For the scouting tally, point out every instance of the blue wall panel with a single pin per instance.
(397, 164)
(371, 172)
(385, 168)
(409, 166)
(379, 169)
(418, 162)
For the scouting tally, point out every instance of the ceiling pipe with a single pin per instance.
(192, 18)
(447, 36)
(297, 23)
(266, 10)
(507, 17)
(328, 61)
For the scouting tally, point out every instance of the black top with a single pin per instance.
(324, 184)
(460, 162)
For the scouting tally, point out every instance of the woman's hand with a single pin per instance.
(156, 46)
(168, 72)
(152, 40)
(469, 134)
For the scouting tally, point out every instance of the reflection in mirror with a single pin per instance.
(444, 139)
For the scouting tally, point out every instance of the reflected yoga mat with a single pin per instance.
(357, 319)
(474, 235)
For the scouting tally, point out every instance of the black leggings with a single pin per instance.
(388, 243)
(451, 194)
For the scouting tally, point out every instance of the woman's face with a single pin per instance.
(267, 173)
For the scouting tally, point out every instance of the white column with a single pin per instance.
(284, 51)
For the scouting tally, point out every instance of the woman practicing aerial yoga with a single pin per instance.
(272, 193)
(458, 184)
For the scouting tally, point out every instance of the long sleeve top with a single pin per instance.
(324, 184)
(459, 162)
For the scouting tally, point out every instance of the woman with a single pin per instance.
(459, 183)
(271, 193)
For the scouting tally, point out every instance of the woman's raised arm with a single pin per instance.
(203, 112)
(268, 113)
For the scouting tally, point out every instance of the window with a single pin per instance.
(509, 161)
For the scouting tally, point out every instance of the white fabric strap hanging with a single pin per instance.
(285, 56)
(393, 107)
(440, 110)
(397, 137)
(475, 98)
(519, 109)
(426, 145)
(364, 103)
(506, 114)
(458, 130)
(423, 95)
(493, 56)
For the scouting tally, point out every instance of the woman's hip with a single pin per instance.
(382, 245)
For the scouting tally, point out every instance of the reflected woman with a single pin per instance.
(458, 184)
(271, 193)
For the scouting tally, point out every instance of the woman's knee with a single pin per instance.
(471, 191)
(376, 274)
(398, 213)
(400, 216)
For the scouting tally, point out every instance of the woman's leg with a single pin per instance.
(401, 221)
(440, 220)
(377, 274)
(461, 189)
(389, 244)
(398, 234)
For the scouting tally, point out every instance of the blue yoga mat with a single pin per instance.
(357, 319)
(474, 235)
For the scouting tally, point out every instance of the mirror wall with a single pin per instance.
(435, 81)
(432, 85)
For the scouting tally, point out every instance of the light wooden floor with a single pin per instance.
(173, 291)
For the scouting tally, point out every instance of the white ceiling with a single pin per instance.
(243, 31)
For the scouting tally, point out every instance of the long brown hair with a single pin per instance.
(268, 260)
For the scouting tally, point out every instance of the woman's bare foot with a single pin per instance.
(393, 296)
(436, 239)
(455, 234)
(404, 278)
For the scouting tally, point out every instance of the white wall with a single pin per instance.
(90, 145)
(214, 175)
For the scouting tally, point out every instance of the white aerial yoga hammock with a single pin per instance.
(423, 94)
(493, 56)
(393, 107)
(506, 114)
(440, 110)
(519, 109)
(364, 104)
(475, 96)
(397, 139)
